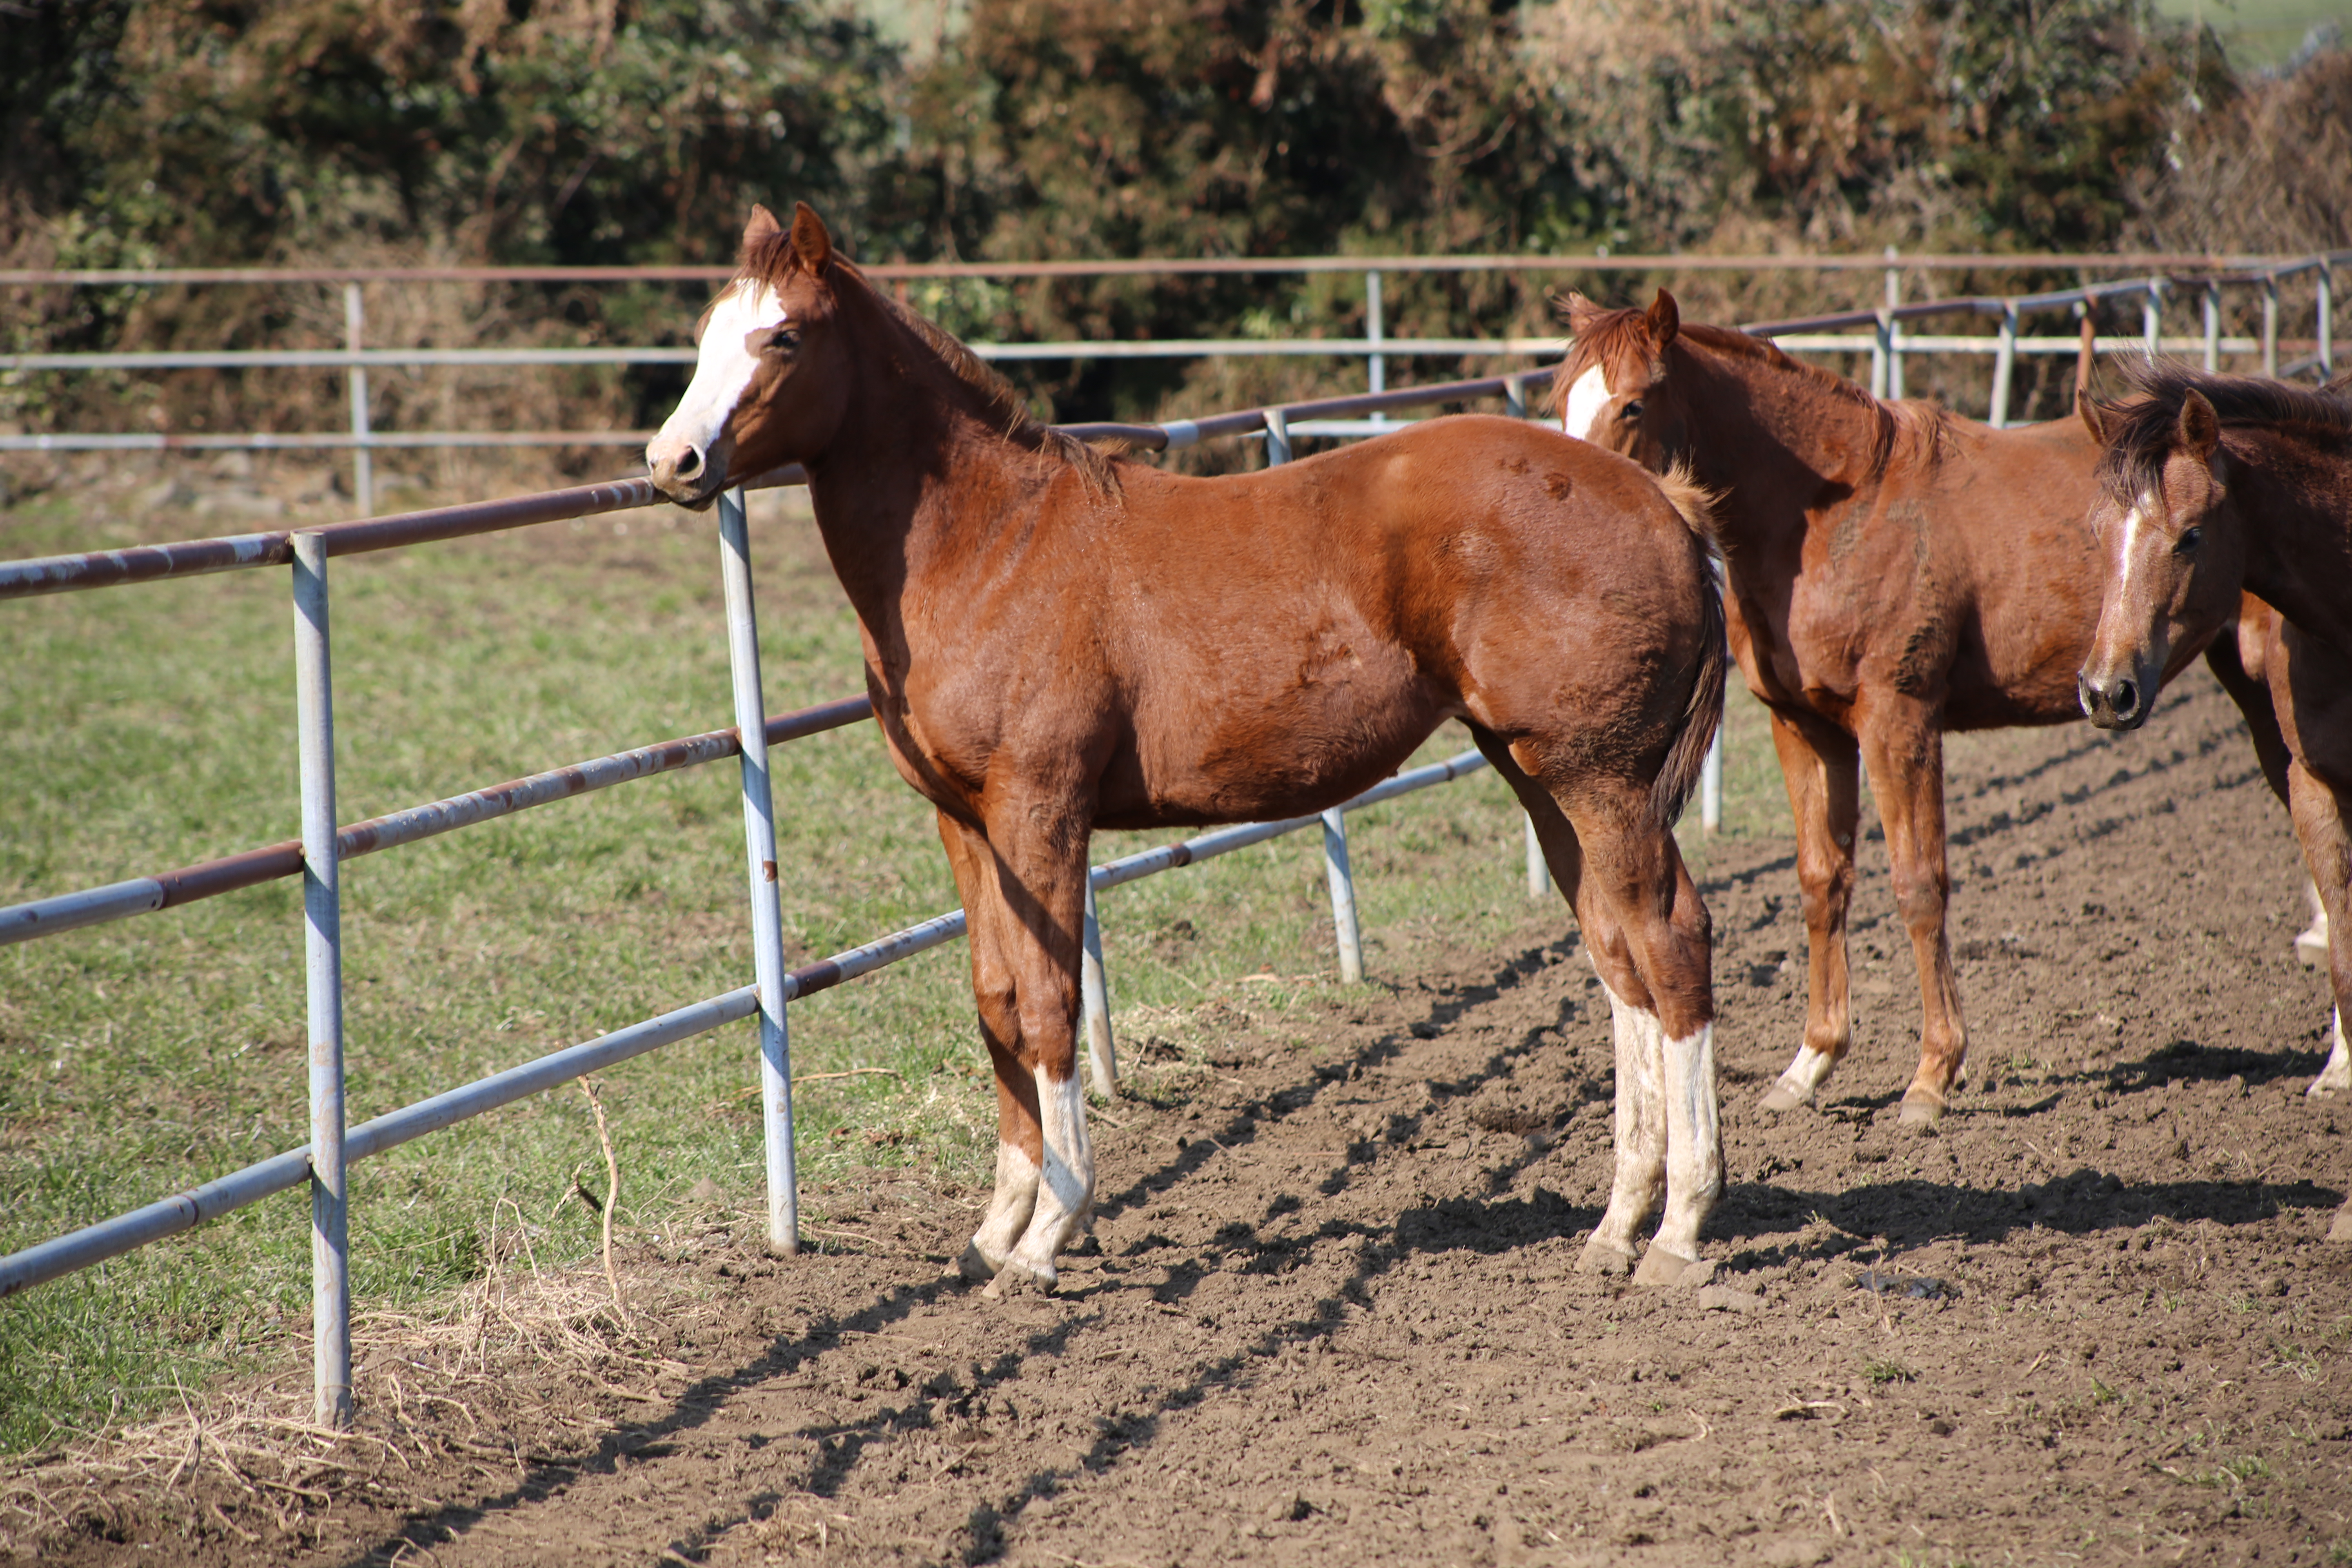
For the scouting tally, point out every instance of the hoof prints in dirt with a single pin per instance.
(1330, 1307)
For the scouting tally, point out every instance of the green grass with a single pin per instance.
(2260, 32)
(153, 726)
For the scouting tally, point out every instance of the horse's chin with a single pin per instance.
(693, 497)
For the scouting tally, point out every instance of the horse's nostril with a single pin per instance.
(690, 463)
(2126, 698)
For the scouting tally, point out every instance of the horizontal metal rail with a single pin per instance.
(210, 878)
(184, 1211)
(1171, 266)
(1076, 348)
(198, 557)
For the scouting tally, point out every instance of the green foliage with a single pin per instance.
(638, 131)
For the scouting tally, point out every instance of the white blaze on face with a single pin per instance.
(723, 367)
(2127, 552)
(1587, 397)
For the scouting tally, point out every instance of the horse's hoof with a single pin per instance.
(1600, 1257)
(1919, 1114)
(2311, 946)
(1016, 1277)
(975, 1267)
(1784, 1096)
(1660, 1266)
(2335, 1078)
(2341, 1230)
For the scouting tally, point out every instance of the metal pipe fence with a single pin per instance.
(324, 1162)
(317, 856)
(1882, 334)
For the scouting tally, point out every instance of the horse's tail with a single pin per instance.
(1703, 713)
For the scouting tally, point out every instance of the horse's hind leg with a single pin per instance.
(1640, 1178)
(1646, 931)
(2319, 795)
(1818, 763)
(1659, 952)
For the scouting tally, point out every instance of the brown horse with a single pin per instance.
(2212, 486)
(1056, 639)
(1893, 572)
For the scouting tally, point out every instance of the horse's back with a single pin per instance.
(1292, 635)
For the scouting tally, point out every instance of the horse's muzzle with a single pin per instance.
(2113, 702)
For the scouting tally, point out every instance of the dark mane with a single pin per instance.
(772, 260)
(1610, 335)
(2141, 437)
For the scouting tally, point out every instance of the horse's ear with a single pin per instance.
(1576, 310)
(1665, 321)
(2200, 428)
(2093, 414)
(810, 240)
(763, 226)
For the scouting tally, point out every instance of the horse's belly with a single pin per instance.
(1204, 757)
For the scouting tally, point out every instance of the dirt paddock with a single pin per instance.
(1328, 1313)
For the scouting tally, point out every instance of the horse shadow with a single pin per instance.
(1904, 1212)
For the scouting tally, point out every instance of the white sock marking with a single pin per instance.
(1694, 1139)
(1067, 1186)
(1010, 1206)
(2335, 1078)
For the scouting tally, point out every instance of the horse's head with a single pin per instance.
(2175, 561)
(1614, 389)
(767, 386)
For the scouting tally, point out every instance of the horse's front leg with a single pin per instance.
(1902, 746)
(1818, 763)
(1026, 932)
(1020, 1137)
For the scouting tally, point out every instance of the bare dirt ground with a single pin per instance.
(1330, 1313)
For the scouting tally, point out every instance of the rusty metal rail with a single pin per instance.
(210, 878)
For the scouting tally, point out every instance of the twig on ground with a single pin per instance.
(612, 1196)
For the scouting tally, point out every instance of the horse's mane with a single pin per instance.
(1897, 429)
(772, 258)
(2143, 430)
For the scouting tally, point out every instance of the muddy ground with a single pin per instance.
(1330, 1312)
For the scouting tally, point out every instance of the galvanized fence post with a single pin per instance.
(363, 458)
(2269, 326)
(322, 954)
(760, 850)
(1892, 329)
(2151, 318)
(1515, 396)
(2004, 366)
(1376, 329)
(2326, 309)
(1538, 869)
(1343, 896)
(1094, 996)
(1882, 352)
(2212, 325)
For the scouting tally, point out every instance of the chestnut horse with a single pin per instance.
(1056, 639)
(2212, 486)
(1893, 572)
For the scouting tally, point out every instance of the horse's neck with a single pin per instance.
(2295, 497)
(891, 492)
(1773, 442)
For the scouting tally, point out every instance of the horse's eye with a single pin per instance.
(1632, 410)
(780, 338)
(2189, 542)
